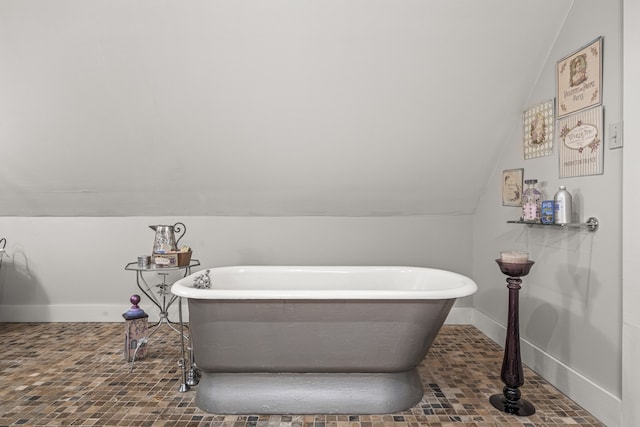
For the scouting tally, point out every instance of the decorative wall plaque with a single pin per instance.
(579, 79)
(580, 144)
(537, 129)
(512, 187)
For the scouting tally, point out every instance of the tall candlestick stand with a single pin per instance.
(512, 375)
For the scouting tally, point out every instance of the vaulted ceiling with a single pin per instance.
(283, 107)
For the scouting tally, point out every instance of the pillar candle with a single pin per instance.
(514, 257)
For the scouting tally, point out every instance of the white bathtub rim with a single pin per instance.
(458, 285)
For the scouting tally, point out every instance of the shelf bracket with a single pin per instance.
(593, 223)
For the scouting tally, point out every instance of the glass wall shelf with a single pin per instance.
(592, 224)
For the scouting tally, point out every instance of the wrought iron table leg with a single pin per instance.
(182, 363)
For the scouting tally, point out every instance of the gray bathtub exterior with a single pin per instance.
(312, 356)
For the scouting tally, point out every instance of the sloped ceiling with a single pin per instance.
(283, 107)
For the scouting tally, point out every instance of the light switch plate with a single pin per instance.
(615, 135)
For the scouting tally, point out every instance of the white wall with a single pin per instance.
(571, 302)
(276, 108)
(72, 269)
(631, 237)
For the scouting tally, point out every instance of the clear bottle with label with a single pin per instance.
(531, 201)
(562, 206)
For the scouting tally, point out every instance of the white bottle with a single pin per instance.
(562, 211)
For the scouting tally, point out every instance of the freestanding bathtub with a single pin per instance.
(315, 340)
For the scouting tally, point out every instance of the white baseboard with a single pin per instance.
(460, 316)
(77, 313)
(599, 402)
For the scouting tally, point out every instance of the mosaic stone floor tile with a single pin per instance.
(55, 374)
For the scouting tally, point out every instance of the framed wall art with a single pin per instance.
(579, 79)
(537, 129)
(581, 149)
(512, 187)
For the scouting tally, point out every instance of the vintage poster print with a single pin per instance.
(538, 123)
(580, 144)
(579, 79)
(512, 187)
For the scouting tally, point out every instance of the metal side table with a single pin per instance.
(160, 295)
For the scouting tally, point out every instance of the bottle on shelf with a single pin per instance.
(562, 208)
(546, 216)
(531, 201)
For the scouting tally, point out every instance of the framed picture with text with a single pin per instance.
(581, 149)
(579, 79)
(512, 187)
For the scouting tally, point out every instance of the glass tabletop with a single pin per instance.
(133, 266)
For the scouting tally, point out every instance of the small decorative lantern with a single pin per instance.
(136, 324)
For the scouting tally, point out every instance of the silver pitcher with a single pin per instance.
(165, 240)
